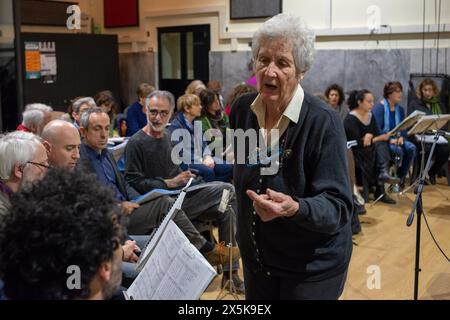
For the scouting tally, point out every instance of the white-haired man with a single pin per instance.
(35, 117)
(23, 159)
(47, 110)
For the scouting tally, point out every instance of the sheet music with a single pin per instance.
(155, 193)
(407, 122)
(432, 122)
(156, 235)
(175, 270)
(351, 144)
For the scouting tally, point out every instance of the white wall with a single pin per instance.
(6, 22)
(340, 24)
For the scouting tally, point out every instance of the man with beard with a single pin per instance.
(149, 165)
(62, 141)
(95, 158)
(59, 247)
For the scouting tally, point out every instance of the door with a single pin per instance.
(183, 55)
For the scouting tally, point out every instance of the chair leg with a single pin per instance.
(447, 171)
(366, 187)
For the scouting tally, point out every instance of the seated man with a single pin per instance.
(23, 160)
(95, 158)
(149, 165)
(59, 247)
(62, 141)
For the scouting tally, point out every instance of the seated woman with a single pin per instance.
(371, 154)
(428, 102)
(336, 97)
(105, 100)
(215, 124)
(189, 108)
(388, 114)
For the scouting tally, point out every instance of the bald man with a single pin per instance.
(62, 141)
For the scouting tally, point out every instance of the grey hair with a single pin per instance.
(162, 95)
(25, 136)
(84, 120)
(16, 149)
(38, 106)
(291, 28)
(33, 117)
(76, 105)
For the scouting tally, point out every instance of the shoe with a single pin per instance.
(387, 178)
(237, 282)
(221, 254)
(386, 199)
(433, 179)
(402, 184)
(360, 210)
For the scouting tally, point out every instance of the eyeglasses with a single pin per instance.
(39, 164)
(154, 113)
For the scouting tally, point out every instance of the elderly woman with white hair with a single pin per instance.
(293, 225)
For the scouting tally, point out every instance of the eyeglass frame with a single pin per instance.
(39, 164)
(162, 114)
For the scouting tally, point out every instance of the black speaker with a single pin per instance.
(443, 83)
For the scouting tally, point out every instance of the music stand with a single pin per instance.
(229, 284)
(407, 123)
(426, 123)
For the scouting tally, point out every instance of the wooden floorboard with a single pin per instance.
(388, 244)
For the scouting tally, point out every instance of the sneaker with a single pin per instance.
(237, 282)
(221, 254)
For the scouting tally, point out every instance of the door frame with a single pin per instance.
(183, 30)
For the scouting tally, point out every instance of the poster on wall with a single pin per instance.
(48, 61)
(32, 60)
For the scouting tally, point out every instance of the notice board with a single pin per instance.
(65, 66)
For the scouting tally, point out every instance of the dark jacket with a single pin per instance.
(179, 122)
(419, 105)
(316, 243)
(136, 119)
(84, 163)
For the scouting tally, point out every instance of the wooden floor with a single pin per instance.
(388, 244)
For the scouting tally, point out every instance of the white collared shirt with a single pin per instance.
(291, 113)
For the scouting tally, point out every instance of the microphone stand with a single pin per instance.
(229, 284)
(418, 209)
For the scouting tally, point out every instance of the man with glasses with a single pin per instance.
(23, 159)
(149, 165)
(69, 246)
(96, 158)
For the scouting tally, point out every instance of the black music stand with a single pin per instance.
(407, 123)
(426, 123)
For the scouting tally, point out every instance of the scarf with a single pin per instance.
(387, 111)
(434, 102)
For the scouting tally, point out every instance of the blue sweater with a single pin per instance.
(378, 113)
(136, 119)
(180, 122)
